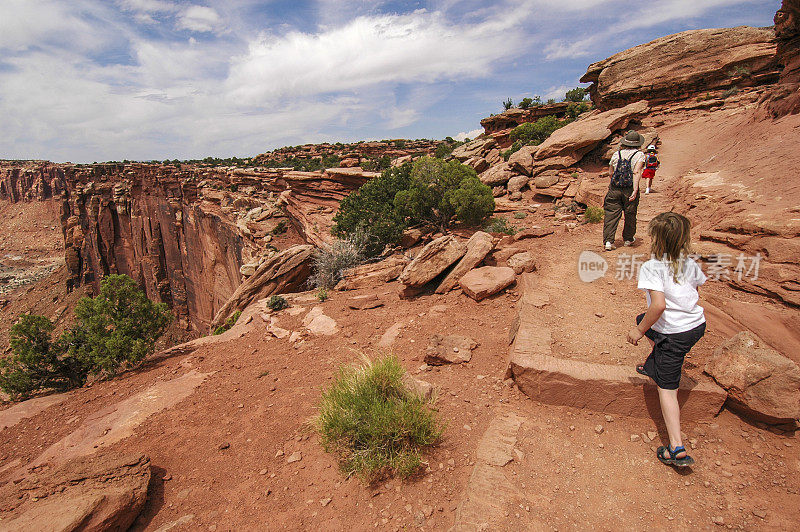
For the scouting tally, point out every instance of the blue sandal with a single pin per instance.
(673, 458)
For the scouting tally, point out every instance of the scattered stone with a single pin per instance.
(522, 263)
(609, 419)
(599, 429)
(419, 387)
(325, 502)
(760, 513)
(295, 457)
(319, 324)
(410, 238)
(483, 282)
(451, 349)
(599, 314)
(535, 232)
(651, 435)
(223, 446)
(635, 437)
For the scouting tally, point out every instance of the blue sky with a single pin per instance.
(95, 80)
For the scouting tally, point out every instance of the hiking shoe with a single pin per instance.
(629, 243)
(609, 246)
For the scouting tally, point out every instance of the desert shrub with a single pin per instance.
(519, 215)
(514, 148)
(277, 302)
(373, 423)
(117, 329)
(525, 103)
(536, 132)
(551, 101)
(575, 109)
(332, 261)
(499, 225)
(446, 148)
(280, 228)
(35, 363)
(377, 164)
(593, 215)
(230, 322)
(576, 95)
(432, 191)
(322, 294)
(730, 92)
(508, 104)
(370, 209)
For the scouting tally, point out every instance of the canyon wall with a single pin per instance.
(185, 234)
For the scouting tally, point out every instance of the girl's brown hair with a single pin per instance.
(670, 240)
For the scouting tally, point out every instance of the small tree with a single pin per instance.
(508, 104)
(118, 328)
(575, 95)
(525, 103)
(35, 363)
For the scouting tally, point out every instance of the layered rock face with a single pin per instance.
(186, 235)
(352, 154)
(499, 126)
(787, 33)
(710, 60)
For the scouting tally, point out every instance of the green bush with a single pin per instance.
(593, 215)
(519, 215)
(576, 95)
(432, 191)
(331, 262)
(499, 225)
(373, 423)
(230, 322)
(322, 294)
(525, 103)
(377, 164)
(277, 302)
(117, 329)
(508, 104)
(536, 132)
(575, 109)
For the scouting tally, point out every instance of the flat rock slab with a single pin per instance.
(534, 232)
(390, 336)
(119, 420)
(365, 302)
(100, 492)
(25, 409)
(489, 493)
(606, 388)
(371, 275)
(319, 324)
(483, 282)
(452, 349)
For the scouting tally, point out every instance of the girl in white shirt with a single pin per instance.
(673, 323)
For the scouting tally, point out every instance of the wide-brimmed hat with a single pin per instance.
(632, 139)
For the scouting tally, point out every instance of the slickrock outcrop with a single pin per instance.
(760, 382)
(432, 260)
(714, 59)
(285, 272)
(786, 99)
(499, 126)
(94, 493)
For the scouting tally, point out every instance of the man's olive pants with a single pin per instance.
(615, 204)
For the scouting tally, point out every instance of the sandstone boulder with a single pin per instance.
(760, 382)
(284, 272)
(452, 349)
(659, 70)
(533, 232)
(368, 275)
(478, 246)
(522, 262)
(483, 282)
(517, 183)
(421, 388)
(498, 174)
(570, 143)
(546, 179)
(432, 260)
(410, 237)
(365, 302)
(93, 493)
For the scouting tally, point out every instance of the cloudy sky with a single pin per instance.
(96, 80)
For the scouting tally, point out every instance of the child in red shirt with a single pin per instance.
(651, 163)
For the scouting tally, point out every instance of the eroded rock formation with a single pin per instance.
(186, 234)
(787, 33)
(709, 60)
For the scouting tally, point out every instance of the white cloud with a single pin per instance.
(199, 19)
(556, 93)
(468, 134)
(417, 47)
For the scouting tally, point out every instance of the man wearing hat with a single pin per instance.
(623, 192)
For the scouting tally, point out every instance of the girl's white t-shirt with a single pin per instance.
(682, 312)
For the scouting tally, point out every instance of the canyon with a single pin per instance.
(549, 426)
